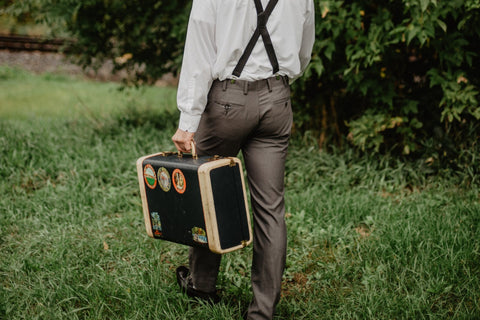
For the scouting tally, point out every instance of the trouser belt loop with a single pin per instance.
(285, 81)
(224, 85)
(269, 85)
(245, 87)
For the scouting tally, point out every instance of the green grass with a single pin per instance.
(369, 237)
(57, 96)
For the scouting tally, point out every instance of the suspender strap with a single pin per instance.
(262, 18)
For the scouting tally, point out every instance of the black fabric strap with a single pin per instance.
(262, 18)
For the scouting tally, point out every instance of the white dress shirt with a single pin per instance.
(218, 32)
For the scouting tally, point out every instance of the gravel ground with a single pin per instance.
(46, 62)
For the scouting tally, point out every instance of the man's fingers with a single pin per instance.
(187, 147)
(183, 140)
(181, 146)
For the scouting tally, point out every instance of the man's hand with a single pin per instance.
(183, 140)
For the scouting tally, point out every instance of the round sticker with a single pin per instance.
(150, 176)
(179, 182)
(164, 179)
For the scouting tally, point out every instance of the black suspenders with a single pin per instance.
(262, 18)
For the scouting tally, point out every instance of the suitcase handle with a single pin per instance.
(193, 152)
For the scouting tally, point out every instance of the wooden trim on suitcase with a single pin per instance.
(239, 163)
(209, 205)
(146, 213)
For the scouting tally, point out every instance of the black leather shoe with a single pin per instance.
(186, 286)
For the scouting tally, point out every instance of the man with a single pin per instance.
(234, 95)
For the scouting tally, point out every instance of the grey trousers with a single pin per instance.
(256, 118)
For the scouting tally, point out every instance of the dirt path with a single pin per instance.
(44, 62)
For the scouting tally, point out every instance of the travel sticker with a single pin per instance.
(164, 179)
(179, 182)
(199, 235)
(150, 176)
(156, 223)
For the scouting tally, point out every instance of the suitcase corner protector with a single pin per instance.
(149, 232)
(219, 250)
(140, 160)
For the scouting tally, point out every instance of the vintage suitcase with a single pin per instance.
(196, 201)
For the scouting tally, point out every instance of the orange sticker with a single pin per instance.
(150, 176)
(179, 182)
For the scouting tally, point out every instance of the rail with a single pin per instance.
(30, 43)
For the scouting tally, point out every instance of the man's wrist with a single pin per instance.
(188, 123)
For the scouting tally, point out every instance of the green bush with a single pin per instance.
(143, 37)
(388, 75)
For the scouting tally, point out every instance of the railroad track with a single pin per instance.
(28, 43)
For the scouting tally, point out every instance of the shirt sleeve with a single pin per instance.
(196, 72)
(308, 38)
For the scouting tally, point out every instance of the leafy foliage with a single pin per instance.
(392, 73)
(389, 75)
(143, 37)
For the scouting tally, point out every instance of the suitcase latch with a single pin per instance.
(215, 157)
(167, 153)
